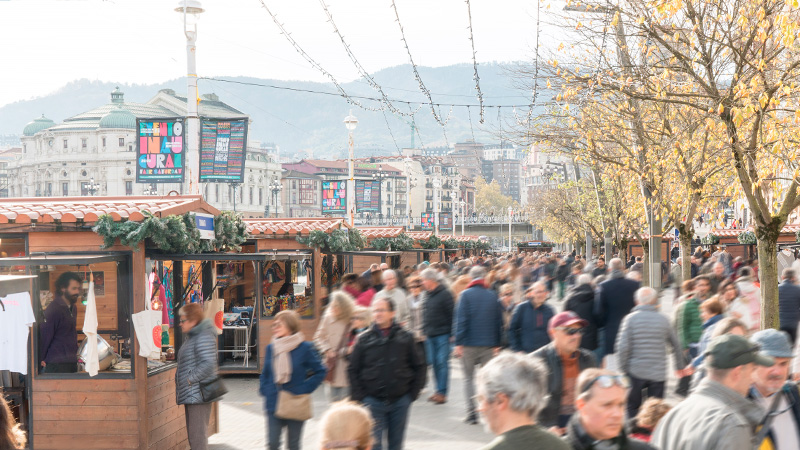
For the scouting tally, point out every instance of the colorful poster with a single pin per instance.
(445, 221)
(159, 149)
(368, 196)
(427, 221)
(223, 145)
(334, 197)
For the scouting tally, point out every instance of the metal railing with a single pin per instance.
(470, 220)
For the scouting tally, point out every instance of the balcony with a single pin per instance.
(429, 197)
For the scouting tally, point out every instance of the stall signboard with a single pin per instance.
(427, 221)
(368, 196)
(223, 144)
(205, 225)
(334, 197)
(445, 221)
(160, 150)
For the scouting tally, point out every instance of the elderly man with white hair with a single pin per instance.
(397, 296)
(642, 350)
(512, 389)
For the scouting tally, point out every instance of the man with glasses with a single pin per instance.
(564, 360)
(599, 420)
(527, 330)
(781, 427)
(717, 415)
(642, 349)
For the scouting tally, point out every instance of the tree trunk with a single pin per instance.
(646, 268)
(686, 251)
(768, 276)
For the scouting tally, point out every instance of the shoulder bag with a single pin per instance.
(213, 390)
(293, 407)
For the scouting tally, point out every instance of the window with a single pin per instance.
(24, 148)
(251, 195)
(49, 190)
(260, 196)
(104, 141)
(130, 147)
(65, 189)
(216, 192)
(122, 142)
(83, 142)
(65, 143)
(129, 188)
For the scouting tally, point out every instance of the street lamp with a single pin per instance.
(379, 176)
(92, 187)
(275, 187)
(191, 10)
(407, 162)
(463, 215)
(151, 189)
(437, 184)
(350, 122)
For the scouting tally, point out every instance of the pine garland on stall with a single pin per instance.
(336, 241)
(748, 237)
(399, 243)
(451, 243)
(432, 243)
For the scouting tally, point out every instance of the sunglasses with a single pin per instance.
(570, 331)
(607, 381)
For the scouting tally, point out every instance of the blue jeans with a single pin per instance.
(438, 350)
(391, 418)
(275, 427)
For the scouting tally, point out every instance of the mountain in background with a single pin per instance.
(310, 124)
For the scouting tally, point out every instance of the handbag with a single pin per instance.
(293, 407)
(213, 390)
(330, 363)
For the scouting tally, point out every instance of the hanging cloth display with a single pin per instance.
(92, 361)
(16, 319)
(147, 325)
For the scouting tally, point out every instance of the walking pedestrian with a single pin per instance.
(789, 303)
(581, 300)
(395, 294)
(527, 330)
(197, 363)
(512, 390)
(437, 320)
(642, 349)
(616, 301)
(290, 364)
(690, 327)
(331, 339)
(717, 415)
(750, 295)
(478, 332)
(386, 375)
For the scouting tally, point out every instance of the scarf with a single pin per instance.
(477, 282)
(281, 362)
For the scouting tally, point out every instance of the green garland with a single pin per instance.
(432, 243)
(710, 239)
(399, 243)
(451, 243)
(747, 237)
(336, 241)
(173, 234)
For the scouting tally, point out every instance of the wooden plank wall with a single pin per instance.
(106, 303)
(85, 414)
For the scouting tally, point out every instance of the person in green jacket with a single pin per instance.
(690, 326)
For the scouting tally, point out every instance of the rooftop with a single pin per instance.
(292, 227)
(381, 232)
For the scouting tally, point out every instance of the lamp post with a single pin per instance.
(350, 122)
(191, 10)
(437, 184)
(275, 187)
(92, 187)
(150, 189)
(510, 211)
(463, 215)
(379, 176)
(407, 162)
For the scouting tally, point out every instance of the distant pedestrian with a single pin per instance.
(789, 303)
(581, 300)
(392, 291)
(331, 339)
(527, 330)
(615, 302)
(512, 389)
(437, 320)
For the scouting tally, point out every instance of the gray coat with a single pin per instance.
(197, 362)
(641, 344)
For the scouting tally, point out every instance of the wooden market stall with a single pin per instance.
(130, 405)
(418, 254)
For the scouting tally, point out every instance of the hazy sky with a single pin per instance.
(47, 43)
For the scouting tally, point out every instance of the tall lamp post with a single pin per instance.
(92, 187)
(191, 10)
(379, 176)
(437, 185)
(350, 122)
(275, 187)
(463, 215)
(510, 211)
(407, 162)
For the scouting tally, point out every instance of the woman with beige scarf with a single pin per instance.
(290, 364)
(331, 339)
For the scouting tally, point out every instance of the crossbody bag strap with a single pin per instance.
(766, 422)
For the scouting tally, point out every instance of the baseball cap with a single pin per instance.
(565, 319)
(773, 343)
(729, 351)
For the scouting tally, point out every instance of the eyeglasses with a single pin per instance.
(607, 381)
(570, 331)
(183, 320)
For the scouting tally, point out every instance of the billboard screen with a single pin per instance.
(445, 221)
(223, 143)
(368, 196)
(334, 197)
(159, 150)
(427, 221)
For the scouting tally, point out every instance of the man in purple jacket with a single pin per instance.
(58, 333)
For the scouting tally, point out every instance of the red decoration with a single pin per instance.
(218, 319)
(157, 335)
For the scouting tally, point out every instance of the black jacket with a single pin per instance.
(437, 312)
(616, 301)
(577, 438)
(386, 368)
(789, 304)
(581, 301)
(548, 416)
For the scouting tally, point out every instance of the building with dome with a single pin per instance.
(94, 153)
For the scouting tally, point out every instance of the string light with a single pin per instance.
(392, 134)
(474, 60)
(416, 72)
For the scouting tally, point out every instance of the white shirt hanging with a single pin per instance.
(90, 330)
(15, 324)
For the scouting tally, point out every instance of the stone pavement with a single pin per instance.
(243, 423)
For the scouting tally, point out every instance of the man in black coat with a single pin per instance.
(789, 303)
(386, 374)
(581, 301)
(616, 301)
(437, 325)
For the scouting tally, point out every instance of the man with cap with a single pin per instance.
(564, 360)
(717, 415)
(775, 394)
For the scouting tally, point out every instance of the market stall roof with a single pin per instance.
(420, 235)
(261, 256)
(729, 232)
(369, 253)
(300, 226)
(467, 238)
(88, 209)
(381, 232)
(44, 259)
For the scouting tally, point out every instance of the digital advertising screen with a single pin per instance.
(160, 150)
